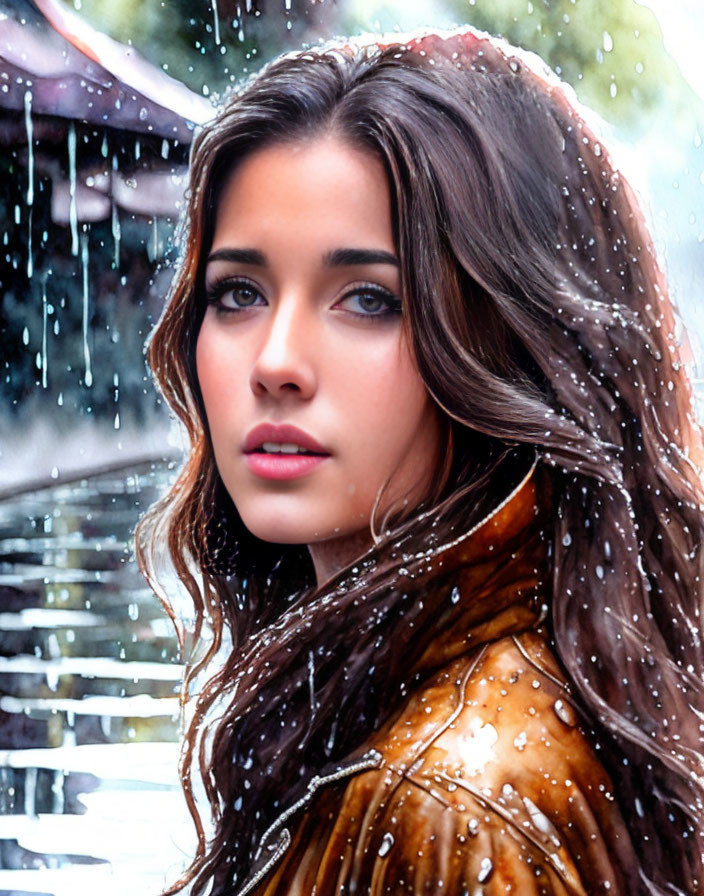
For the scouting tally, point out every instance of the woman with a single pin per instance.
(443, 506)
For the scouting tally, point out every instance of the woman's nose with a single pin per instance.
(285, 361)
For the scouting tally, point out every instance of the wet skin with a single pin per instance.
(301, 331)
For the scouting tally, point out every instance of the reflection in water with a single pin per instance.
(89, 677)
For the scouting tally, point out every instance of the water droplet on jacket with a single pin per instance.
(520, 740)
(565, 713)
(486, 869)
(566, 540)
(386, 844)
(539, 819)
(473, 827)
(455, 595)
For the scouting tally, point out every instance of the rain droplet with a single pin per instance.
(473, 827)
(386, 844)
(486, 869)
(454, 596)
(566, 540)
(520, 741)
(565, 713)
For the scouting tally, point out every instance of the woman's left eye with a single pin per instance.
(369, 301)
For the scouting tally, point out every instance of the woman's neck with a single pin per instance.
(334, 554)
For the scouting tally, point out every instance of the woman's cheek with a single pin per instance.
(220, 370)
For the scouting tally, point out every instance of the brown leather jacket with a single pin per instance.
(483, 781)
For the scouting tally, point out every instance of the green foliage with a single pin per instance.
(610, 51)
(210, 44)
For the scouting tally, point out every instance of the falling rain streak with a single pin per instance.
(216, 22)
(45, 361)
(88, 379)
(30, 176)
(73, 210)
(115, 218)
(116, 233)
(30, 145)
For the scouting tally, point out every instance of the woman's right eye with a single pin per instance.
(234, 295)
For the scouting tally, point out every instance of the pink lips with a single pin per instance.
(281, 466)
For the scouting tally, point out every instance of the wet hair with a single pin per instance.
(540, 322)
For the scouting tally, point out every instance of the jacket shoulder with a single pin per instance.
(506, 777)
(486, 786)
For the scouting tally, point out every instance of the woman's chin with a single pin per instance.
(279, 529)
(301, 526)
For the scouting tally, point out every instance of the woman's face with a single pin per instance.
(303, 329)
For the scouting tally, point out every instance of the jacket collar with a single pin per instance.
(492, 581)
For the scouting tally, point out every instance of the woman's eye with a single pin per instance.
(369, 302)
(233, 295)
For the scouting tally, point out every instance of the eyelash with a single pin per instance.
(215, 293)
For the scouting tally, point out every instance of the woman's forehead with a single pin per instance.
(323, 185)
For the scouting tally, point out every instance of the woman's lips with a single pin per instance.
(282, 466)
(282, 434)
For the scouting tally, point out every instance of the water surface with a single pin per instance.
(89, 678)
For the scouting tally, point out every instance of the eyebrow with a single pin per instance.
(338, 258)
(341, 258)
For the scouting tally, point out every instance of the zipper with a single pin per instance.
(370, 759)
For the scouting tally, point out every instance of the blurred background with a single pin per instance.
(99, 101)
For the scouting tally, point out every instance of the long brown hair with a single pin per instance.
(540, 321)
